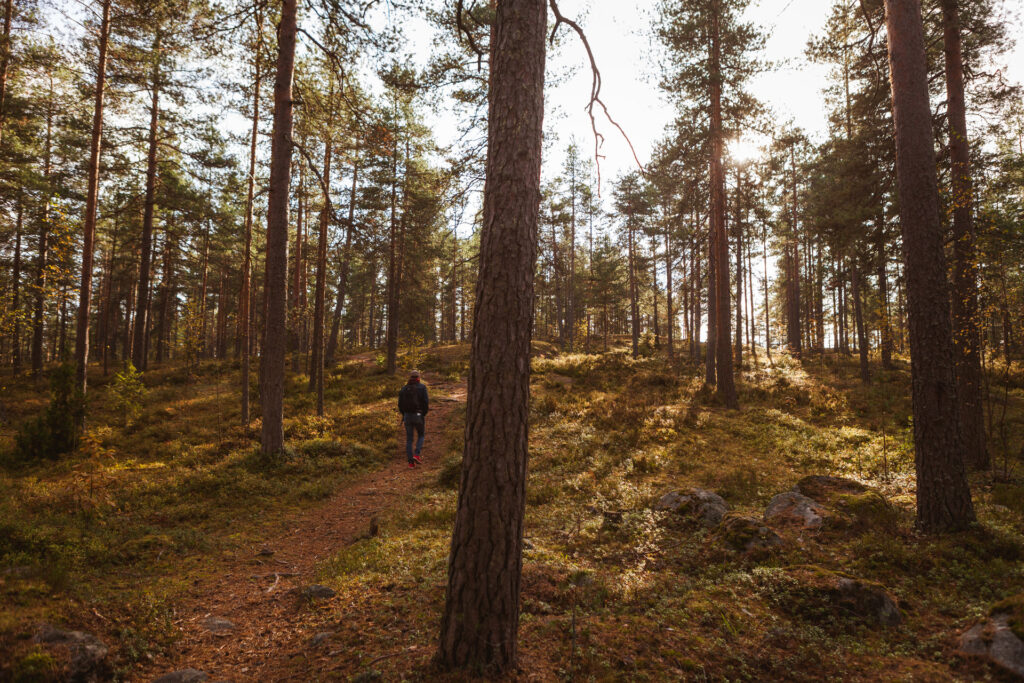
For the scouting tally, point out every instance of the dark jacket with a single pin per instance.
(423, 401)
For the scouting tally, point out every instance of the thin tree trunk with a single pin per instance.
(92, 194)
(394, 272)
(44, 237)
(634, 305)
(16, 303)
(739, 270)
(966, 336)
(245, 292)
(669, 313)
(479, 628)
(858, 314)
(316, 376)
(141, 308)
(943, 496)
(883, 294)
(339, 303)
(272, 367)
(5, 62)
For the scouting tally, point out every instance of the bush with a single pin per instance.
(56, 431)
(127, 392)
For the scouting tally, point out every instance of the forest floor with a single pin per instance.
(156, 527)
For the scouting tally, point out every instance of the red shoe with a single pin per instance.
(412, 466)
(418, 459)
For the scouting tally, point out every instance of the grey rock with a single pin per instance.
(795, 509)
(320, 638)
(869, 600)
(705, 506)
(218, 625)
(317, 591)
(183, 676)
(995, 642)
(88, 654)
(748, 534)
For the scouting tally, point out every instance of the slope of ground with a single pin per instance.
(613, 588)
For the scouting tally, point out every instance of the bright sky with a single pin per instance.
(620, 36)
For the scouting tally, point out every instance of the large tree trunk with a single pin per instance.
(481, 617)
(92, 194)
(723, 348)
(276, 280)
(245, 293)
(966, 335)
(141, 307)
(316, 375)
(943, 496)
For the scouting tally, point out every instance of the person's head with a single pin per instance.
(414, 376)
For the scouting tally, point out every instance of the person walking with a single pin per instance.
(413, 404)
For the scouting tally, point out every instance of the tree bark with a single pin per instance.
(92, 194)
(858, 316)
(481, 616)
(943, 496)
(245, 293)
(276, 281)
(43, 246)
(394, 272)
(966, 334)
(316, 376)
(339, 304)
(16, 285)
(141, 307)
(5, 62)
(723, 348)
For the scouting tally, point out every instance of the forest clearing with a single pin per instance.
(526, 340)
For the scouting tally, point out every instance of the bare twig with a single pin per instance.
(469, 34)
(595, 94)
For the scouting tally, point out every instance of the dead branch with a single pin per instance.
(595, 94)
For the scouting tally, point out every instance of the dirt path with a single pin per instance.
(258, 591)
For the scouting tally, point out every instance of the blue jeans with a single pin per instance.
(413, 423)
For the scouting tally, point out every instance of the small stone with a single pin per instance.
(320, 638)
(795, 509)
(706, 506)
(265, 552)
(218, 625)
(183, 676)
(869, 600)
(317, 592)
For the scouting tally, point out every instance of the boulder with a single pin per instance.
(795, 509)
(707, 507)
(849, 596)
(1000, 639)
(748, 534)
(824, 488)
(183, 676)
(84, 656)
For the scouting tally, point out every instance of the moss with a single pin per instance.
(869, 508)
(1014, 608)
(37, 666)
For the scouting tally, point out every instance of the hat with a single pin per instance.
(414, 373)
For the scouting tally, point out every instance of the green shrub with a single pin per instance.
(127, 392)
(56, 431)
